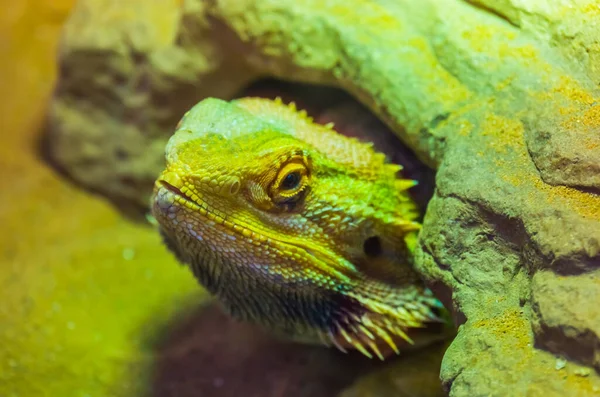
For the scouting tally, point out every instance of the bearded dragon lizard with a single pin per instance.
(292, 225)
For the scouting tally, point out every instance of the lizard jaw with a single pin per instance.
(175, 190)
(172, 190)
(172, 182)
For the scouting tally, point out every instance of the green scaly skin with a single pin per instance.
(292, 225)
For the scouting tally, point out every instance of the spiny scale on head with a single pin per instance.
(363, 332)
(302, 113)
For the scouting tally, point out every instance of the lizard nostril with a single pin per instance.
(234, 187)
(372, 246)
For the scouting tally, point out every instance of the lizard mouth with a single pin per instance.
(175, 190)
(171, 183)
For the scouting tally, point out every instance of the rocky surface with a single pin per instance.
(499, 97)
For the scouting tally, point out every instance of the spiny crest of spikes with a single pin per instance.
(405, 184)
(301, 113)
(406, 226)
(363, 332)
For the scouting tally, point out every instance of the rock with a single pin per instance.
(562, 322)
(414, 375)
(127, 73)
(566, 151)
(499, 97)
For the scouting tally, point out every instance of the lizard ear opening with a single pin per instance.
(372, 246)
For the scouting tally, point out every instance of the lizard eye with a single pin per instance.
(290, 182)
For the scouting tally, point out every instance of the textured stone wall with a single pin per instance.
(499, 96)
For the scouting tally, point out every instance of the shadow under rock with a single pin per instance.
(210, 354)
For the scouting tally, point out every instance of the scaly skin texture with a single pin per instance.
(292, 225)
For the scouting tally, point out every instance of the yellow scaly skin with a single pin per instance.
(292, 225)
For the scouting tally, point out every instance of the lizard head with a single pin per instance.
(292, 225)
